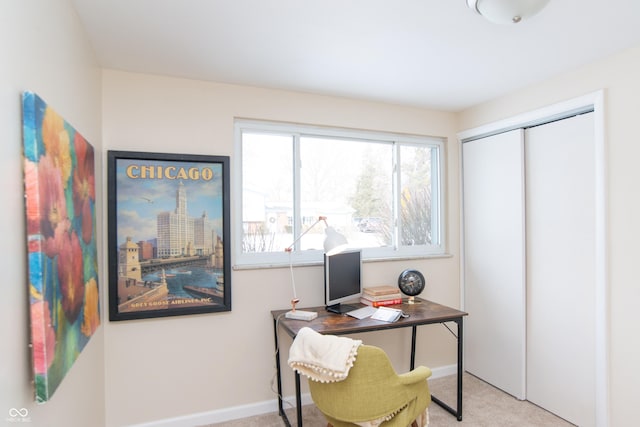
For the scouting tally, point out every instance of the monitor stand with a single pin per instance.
(340, 308)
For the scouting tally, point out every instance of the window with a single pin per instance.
(381, 190)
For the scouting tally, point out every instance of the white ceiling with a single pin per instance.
(427, 53)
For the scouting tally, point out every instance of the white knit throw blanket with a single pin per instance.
(322, 358)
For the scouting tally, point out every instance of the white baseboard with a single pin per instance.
(227, 414)
(443, 371)
(252, 409)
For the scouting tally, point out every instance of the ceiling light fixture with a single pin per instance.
(507, 11)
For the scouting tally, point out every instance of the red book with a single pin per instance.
(381, 303)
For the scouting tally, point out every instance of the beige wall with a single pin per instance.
(174, 367)
(618, 76)
(163, 368)
(42, 49)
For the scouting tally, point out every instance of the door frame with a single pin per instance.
(590, 102)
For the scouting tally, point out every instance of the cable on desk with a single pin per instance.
(284, 401)
(275, 373)
(277, 324)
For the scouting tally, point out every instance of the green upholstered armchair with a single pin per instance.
(373, 392)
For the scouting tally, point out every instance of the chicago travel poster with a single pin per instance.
(168, 235)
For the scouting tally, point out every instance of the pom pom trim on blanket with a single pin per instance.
(322, 358)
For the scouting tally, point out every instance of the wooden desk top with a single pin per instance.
(421, 313)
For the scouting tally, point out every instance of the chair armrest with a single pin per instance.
(420, 373)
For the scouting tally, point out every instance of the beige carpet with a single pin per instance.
(482, 405)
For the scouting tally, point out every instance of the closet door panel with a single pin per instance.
(493, 206)
(560, 199)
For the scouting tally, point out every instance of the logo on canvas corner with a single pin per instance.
(18, 415)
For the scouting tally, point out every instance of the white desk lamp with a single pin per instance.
(333, 244)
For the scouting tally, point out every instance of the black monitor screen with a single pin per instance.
(342, 282)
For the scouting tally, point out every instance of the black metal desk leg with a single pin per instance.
(281, 412)
(459, 409)
(413, 348)
(278, 372)
(298, 400)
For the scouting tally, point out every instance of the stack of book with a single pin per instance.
(379, 296)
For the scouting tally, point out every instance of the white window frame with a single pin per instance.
(312, 257)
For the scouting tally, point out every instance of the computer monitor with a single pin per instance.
(342, 280)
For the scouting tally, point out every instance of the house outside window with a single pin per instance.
(381, 190)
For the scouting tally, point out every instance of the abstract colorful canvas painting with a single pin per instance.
(62, 260)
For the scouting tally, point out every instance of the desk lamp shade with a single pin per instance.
(335, 242)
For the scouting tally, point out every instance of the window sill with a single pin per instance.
(320, 263)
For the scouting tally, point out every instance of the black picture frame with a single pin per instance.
(169, 234)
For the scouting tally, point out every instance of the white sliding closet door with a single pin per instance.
(561, 251)
(494, 260)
